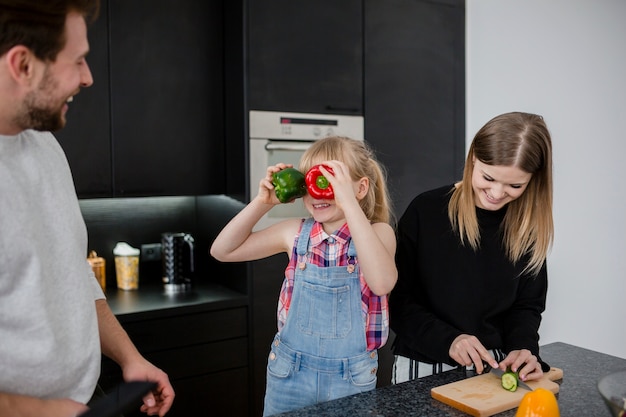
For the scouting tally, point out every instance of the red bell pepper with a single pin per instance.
(317, 184)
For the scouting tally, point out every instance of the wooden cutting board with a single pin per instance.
(483, 395)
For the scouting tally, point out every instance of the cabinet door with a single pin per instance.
(204, 354)
(167, 97)
(86, 137)
(415, 92)
(223, 394)
(305, 56)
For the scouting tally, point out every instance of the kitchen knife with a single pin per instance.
(499, 372)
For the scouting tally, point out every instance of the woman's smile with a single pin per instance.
(495, 186)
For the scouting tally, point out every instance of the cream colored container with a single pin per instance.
(126, 266)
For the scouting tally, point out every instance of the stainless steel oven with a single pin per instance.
(283, 137)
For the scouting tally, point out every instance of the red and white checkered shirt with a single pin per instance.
(332, 250)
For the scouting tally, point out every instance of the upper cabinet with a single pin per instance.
(86, 138)
(167, 96)
(174, 82)
(153, 122)
(305, 56)
(415, 92)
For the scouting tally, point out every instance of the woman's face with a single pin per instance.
(495, 185)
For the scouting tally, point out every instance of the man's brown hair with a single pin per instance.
(40, 24)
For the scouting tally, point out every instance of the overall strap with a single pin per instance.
(351, 249)
(303, 239)
(351, 256)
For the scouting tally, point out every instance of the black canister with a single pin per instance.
(178, 261)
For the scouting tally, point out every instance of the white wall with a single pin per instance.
(566, 60)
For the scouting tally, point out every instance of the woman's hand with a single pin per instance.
(524, 363)
(467, 350)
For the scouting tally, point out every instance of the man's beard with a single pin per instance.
(38, 112)
(44, 120)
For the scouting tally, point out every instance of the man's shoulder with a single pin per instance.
(37, 134)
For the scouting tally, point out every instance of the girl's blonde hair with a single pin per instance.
(517, 140)
(360, 159)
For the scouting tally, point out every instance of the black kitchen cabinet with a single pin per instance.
(305, 56)
(202, 346)
(166, 79)
(415, 92)
(86, 138)
(153, 123)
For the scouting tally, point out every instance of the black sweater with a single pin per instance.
(446, 289)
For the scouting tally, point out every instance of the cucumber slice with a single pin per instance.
(509, 381)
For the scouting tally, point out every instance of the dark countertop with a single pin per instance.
(582, 368)
(151, 301)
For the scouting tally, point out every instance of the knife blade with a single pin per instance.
(499, 372)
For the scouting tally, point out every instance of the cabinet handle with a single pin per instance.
(343, 109)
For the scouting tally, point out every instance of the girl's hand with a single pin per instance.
(341, 181)
(523, 362)
(266, 194)
(467, 350)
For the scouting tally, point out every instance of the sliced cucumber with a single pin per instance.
(509, 381)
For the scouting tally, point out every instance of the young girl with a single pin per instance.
(332, 310)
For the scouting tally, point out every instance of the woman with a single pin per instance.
(471, 259)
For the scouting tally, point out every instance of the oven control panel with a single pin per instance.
(303, 126)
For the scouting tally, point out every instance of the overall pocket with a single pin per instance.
(324, 311)
(363, 374)
(279, 365)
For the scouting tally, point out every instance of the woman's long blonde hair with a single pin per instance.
(360, 159)
(519, 140)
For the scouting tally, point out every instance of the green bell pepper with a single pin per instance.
(288, 184)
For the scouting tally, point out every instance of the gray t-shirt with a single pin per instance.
(49, 343)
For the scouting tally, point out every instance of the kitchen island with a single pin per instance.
(578, 395)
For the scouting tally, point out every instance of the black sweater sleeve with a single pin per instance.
(522, 320)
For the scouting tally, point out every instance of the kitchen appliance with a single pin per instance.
(613, 390)
(178, 261)
(483, 395)
(283, 137)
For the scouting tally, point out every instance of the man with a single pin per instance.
(54, 320)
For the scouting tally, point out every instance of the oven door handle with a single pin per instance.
(287, 146)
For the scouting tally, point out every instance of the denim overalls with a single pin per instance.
(321, 352)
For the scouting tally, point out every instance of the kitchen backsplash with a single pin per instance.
(140, 221)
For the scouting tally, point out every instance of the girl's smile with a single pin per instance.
(321, 205)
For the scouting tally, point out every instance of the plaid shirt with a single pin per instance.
(325, 250)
